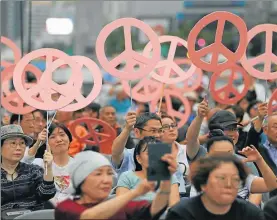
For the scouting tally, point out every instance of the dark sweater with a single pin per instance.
(28, 190)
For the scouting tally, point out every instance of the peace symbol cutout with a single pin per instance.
(10, 100)
(217, 47)
(46, 86)
(165, 67)
(98, 138)
(145, 90)
(182, 117)
(191, 83)
(272, 105)
(131, 57)
(97, 83)
(267, 58)
(16, 51)
(223, 94)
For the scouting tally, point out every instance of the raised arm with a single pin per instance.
(121, 140)
(268, 182)
(193, 144)
(108, 208)
(45, 187)
(41, 139)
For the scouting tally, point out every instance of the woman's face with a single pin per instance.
(98, 184)
(223, 184)
(220, 147)
(232, 133)
(13, 149)
(170, 130)
(244, 104)
(142, 158)
(58, 141)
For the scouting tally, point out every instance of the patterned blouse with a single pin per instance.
(28, 190)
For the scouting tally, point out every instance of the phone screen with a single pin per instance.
(158, 169)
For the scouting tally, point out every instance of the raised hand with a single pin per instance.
(42, 135)
(203, 109)
(131, 119)
(172, 164)
(144, 187)
(48, 159)
(262, 110)
(251, 153)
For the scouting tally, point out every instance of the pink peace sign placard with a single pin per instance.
(145, 90)
(267, 58)
(217, 47)
(168, 94)
(97, 83)
(46, 87)
(165, 67)
(131, 57)
(192, 83)
(10, 100)
(272, 105)
(223, 94)
(16, 51)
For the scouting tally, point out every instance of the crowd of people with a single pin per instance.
(223, 164)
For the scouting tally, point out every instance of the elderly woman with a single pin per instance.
(92, 177)
(23, 186)
(131, 179)
(59, 139)
(218, 178)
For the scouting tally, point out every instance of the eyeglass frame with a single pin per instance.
(173, 126)
(156, 131)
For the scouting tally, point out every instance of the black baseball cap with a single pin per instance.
(223, 118)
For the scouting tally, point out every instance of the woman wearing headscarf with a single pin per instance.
(92, 177)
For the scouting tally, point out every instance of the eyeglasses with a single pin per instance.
(223, 180)
(167, 127)
(14, 144)
(152, 131)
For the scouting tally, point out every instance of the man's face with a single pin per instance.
(28, 124)
(108, 115)
(40, 122)
(232, 132)
(271, 129)
(152, 128)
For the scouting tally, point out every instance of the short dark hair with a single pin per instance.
(14, 118)
(165, 115)
(214, 139)
(144, 118)
(238, 111)
(43, 113)
(200, 169)
(53, 126)
(141, 147)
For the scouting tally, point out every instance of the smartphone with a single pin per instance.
(158, 169)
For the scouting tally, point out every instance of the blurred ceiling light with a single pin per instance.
(59, 26)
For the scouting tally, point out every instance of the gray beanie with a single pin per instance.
(85, 163)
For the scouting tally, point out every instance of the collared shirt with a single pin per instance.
(272, 151)
(28, 190)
